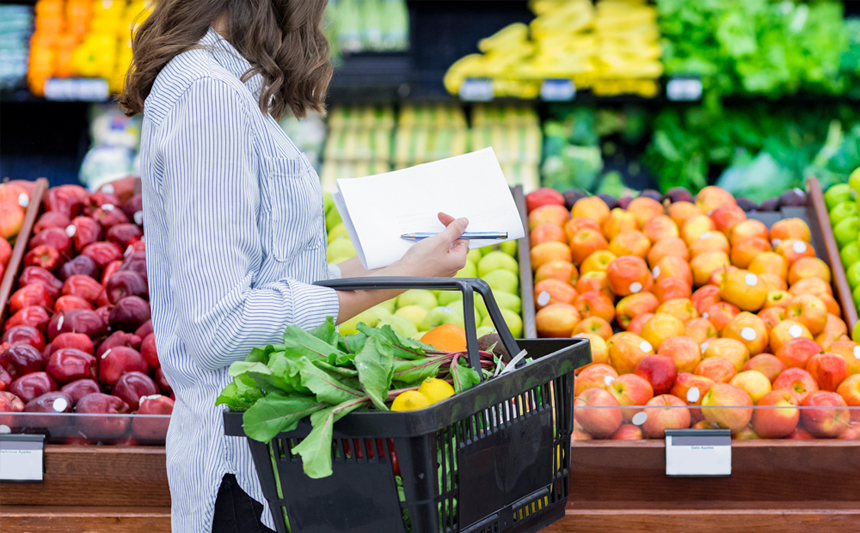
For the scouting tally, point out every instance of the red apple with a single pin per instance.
(541, 197)
(9, 403)
(20, 359)
(850, 392)
(162, 382)
(35, 316)
(103, 252)
(64, 304)
(124, 234)
(52, 403)
(797, 381)
(35, 274)
(659, 371)
(665, 412)
(776, 415)
(597, 412)
(54, 237)
(109, 216)
(31, 386)
(72, 340)
(119, 360)
(77, 321)
(800, 434)
(79, 265)
(144, 330)
(828, 370)
(51, 219)
(102, 427)
(829, 416)
(65, 199)
(43, 256)
(692, 388)
(151, 428)
(796, 352)
(767, 364)
(119, 338)
(83, 287)
(149, 352)
(109, 271)
(29, 295)
(129, 283)
(135, 261)
(131, 387)
(79, 388)
(630, 389)
(627, 432)
(129, 314)
(83, 232)
(69, 364)
(24, 335)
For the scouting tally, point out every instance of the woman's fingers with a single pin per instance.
(445, 218)
(454, 230)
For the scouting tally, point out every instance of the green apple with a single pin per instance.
(332, 218)
(414, 313)
(371, 317)
(850, 254)
(418, 336)
(855, 295)
(508, 301)
(838, 194)
(400, 324)
(509, 247)
(853, 275)
(854, 180)
(449, 297)
(420, 297)
(441, 315)
(856, 333)
(486, 330)
(497, 261)
(474, 256)
(389, 305)
(468, 271)
(328, 202)
(503, 280)
(841, 212)
(338, 232)
(513, 320)
(460, 311)
(339, 251)
(847, 231)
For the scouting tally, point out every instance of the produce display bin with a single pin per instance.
(526, 277)
(493, 458)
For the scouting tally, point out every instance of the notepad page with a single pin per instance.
(383, 207)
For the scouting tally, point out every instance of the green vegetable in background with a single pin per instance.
(326, 376)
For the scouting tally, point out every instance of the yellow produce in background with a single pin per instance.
(611, 47)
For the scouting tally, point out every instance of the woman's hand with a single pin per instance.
(440, 256)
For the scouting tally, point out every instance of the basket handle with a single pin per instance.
(468, 286)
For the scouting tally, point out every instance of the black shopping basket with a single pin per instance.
(493, 459)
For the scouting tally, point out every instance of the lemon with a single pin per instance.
(436, 389)
(410, 400)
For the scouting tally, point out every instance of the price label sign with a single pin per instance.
(476, 90)
(552, 90)
(22, 458)
(684, 89)
(76, 89)
(698, 452)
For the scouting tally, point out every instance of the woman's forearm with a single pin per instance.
(352, 268)
(352, 303)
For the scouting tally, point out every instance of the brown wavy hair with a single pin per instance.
(282, 40)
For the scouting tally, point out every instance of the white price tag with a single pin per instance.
(77, 89)
(698, 452)
(552, 90)
(476, 90)
(22, 458)
(684, 89)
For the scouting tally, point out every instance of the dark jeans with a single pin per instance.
(235, 511)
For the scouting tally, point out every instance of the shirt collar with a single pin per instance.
(231, 60)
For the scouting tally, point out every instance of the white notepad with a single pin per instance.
(377, 210)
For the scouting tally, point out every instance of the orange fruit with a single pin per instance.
(447, 338)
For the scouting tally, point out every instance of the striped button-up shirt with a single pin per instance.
(235, 236)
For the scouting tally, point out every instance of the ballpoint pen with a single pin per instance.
(469, 235)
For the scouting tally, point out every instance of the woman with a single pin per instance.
(235, 231)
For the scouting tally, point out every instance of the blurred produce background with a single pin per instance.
(604, 96)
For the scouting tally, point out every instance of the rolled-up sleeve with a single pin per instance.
(211, 195)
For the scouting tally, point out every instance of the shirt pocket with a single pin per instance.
(296, 202)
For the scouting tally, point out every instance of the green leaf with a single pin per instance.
(342, 371)
(416, 371)
(241, 394)
(299, 343)
(261, 355)
(375, 371)
(315, 449)
(403, 347)
(353, 343)
(326, 387)
(243, 367)
(285, 374)
(275, 413)
(327, 332)
(464, 377)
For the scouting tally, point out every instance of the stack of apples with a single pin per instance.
(79, 337)
(841, 201)
(417, 311)
(696, 315)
